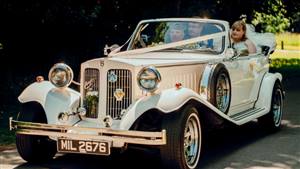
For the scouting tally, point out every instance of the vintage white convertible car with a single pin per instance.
(162, 89)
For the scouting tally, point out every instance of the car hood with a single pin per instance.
(165, 58)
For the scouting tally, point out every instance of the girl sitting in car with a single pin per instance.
(241, 43)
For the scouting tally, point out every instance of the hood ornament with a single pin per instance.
(119, 94)
(112, 77)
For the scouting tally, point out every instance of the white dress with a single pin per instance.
(261, 39)
(241, 48)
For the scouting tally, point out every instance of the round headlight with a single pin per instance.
(61, 75)
(148, 79)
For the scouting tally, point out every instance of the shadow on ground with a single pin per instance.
(219, 145)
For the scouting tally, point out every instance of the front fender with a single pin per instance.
(52, 99)
(167, 101)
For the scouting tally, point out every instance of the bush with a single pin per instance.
(293, 63)
(289, 68)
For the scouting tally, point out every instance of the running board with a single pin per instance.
(244, 114)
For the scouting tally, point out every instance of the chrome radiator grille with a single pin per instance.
(118, 91)
(91, 92)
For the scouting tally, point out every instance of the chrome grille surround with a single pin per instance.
(91, 92)
(119, 91)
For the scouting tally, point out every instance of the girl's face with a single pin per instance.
(237, 34)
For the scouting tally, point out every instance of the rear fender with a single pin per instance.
(52, 99)
(266, 90)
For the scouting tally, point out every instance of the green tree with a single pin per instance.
(272, 17)
(293, 10)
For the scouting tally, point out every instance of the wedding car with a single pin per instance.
(173, 80)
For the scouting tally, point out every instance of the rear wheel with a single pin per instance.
(272, 120)
(34, 148)
(184, 138)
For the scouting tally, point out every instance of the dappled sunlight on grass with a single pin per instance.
(294, 158)
(288, 162)
(287, 47)
(291, 41)
(289, 124)
(291, 46)
(10, 155)
(286, 54)
(273, 165)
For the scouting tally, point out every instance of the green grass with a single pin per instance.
(291, 63)
(286, 54)
(7, 137)
(286, 47)
(291, 46)
(288, 67)
(291, 41)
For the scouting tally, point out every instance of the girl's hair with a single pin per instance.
(240, 23)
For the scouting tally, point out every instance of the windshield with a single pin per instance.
(195, 36)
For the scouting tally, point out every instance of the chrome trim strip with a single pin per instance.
(250, 56)
(189, 64)
(100, 134)
(246, 113)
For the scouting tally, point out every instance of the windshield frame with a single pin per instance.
(223, 25)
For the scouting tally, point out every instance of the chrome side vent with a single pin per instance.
(91, 92)
(119, 94)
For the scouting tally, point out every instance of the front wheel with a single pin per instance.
(184, 138)
(34, 148)
(272, 120)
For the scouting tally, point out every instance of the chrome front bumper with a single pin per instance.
(118, 138)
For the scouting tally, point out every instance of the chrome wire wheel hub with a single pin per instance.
(277, 107)
(222, 92)
(192, 141)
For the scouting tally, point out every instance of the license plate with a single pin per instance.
(83, 146)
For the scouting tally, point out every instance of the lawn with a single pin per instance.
(291, 41)
(288, 54)
(291, 46)
(7, 137)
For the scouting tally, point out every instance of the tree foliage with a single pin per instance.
(272, 17)
(293, 11)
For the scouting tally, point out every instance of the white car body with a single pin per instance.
(185, 78)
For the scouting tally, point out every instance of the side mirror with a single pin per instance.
(108, 49)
